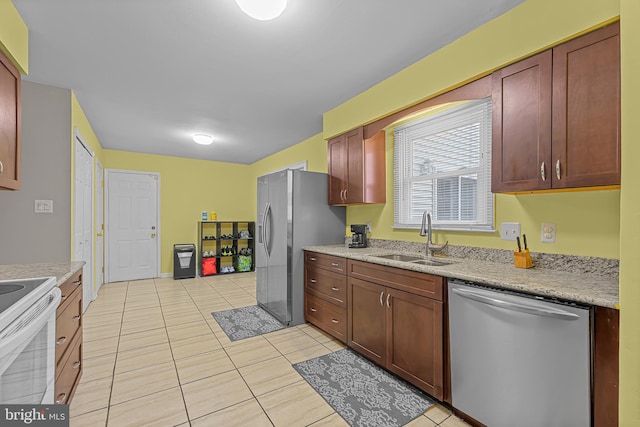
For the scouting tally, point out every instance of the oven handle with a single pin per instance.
(34, 321)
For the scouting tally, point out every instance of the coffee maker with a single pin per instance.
(359, 236)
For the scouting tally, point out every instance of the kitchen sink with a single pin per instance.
(400, 257)
(433, 262)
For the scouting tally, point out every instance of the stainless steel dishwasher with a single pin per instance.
(519, 360)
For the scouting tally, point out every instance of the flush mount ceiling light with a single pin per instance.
(262, 10)
(202, 139)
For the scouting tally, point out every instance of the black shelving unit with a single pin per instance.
(225, 242)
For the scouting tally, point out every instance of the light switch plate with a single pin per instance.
(548, 233)
(43, 206)
(509, 230)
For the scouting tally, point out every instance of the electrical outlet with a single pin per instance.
(43, 206)
(548, 233)
(368, 226)
(509, 230)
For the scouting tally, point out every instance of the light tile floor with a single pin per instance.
(154, 356)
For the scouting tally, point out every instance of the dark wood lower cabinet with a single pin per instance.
(400, 331)
(366, 319)
(415, 339)
(606, 367)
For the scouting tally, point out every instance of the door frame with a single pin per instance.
(107, 173)
(99, 184)
(80, 140)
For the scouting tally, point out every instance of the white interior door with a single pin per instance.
(132, 232)
(83, 218)
(99, 227)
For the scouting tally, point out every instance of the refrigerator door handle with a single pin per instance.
(513, 306)
(267, 231)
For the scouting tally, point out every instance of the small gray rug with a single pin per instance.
(361, 392)
(246, 322)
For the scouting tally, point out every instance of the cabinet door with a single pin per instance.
(366, 319)
(521, 125)
(9, 125)
(415, 340)
(586, 110)
(337, 169)
(354, 141)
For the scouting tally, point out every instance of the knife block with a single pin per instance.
(522, 259)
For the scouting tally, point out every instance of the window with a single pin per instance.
(442, 164)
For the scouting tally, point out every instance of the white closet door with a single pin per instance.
(83, 219)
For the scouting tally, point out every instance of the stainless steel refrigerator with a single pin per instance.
(293, 212)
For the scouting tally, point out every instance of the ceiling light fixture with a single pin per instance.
(262, 10)
(202, 139)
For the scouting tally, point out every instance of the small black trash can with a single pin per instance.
(184, 261)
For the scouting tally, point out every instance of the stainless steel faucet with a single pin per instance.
(425, 230)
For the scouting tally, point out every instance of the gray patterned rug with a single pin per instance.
(361, 392)
(246, 322)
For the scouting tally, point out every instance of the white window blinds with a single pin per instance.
(442, 164)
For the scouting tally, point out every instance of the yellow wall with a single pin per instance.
(511, 36)
(630, 217)
(529, 27)
(80, 121)
(188, 187)
(14, 36)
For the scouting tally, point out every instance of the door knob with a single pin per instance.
(153, 235)
(153, 227)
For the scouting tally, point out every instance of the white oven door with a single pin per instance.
(27, 354)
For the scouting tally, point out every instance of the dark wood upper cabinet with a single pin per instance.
(556, 117)
(356, 168)
(586, 110)
(521, 128)
(9, 125)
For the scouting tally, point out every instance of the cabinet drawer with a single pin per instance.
(328, 262)
(326, 284)
(68, 375)
(424, 284)
(328, 317)
(68, 288)
(68, 323)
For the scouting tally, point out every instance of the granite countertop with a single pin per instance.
(595, 289)
(60, 270)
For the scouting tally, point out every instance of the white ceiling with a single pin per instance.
(150, 73)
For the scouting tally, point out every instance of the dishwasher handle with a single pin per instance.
(522, 308)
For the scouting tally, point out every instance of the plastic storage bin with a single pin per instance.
(184, 261)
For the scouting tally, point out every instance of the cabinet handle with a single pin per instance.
(333, 288)
(76, 365)
(313, 310)
(61, 340)
(76, 282)
(558, 169)
(60, 398)
(1, 167)
(334, 321)
(312, 280)
(388, 305)
(63, 297)
(312, 259)
(381, 295)
(543, 175)
(335, 264)
(76, 318)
